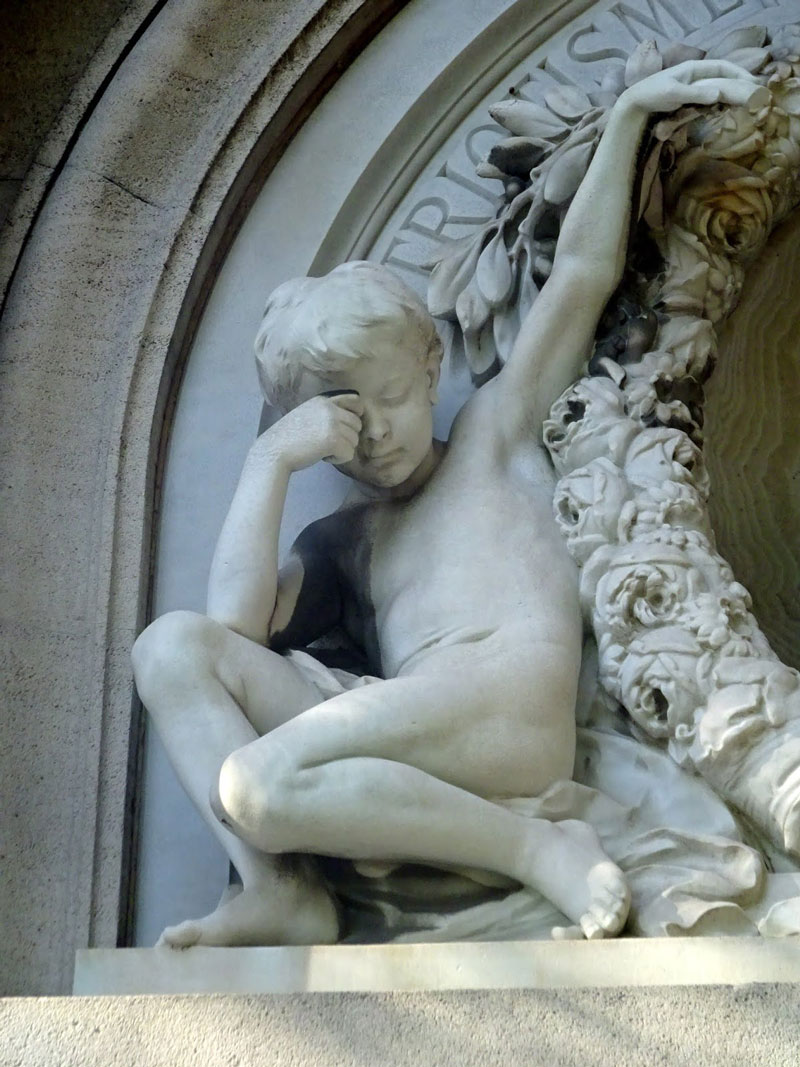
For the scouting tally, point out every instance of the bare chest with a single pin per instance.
(477, 548)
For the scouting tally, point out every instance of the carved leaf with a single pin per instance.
(472, 311)
(752, 59)
(494, 276)
(449, 277)
(526, 119)
(505, 328)
(742, 37)
(679, 52)
(449, 247)
(643, 61)
(568, 102)
(488, 170)
(517, 155)
(528, 290)
(567, 173)
(479, 350)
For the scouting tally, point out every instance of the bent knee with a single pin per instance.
(256, 796)
(172, 647)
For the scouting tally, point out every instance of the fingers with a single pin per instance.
(738, 92)
(345, 448)
(348, 401)
(345, 437)
(349, 409)
(703, 69)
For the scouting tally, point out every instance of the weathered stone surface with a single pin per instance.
(89, 352)
(755, 1025)
(753, 445)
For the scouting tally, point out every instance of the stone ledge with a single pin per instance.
(625, 962)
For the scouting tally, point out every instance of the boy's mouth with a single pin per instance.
(386, 457)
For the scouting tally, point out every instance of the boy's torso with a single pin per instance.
(476, 550)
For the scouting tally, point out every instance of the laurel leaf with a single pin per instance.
(472, 310)
(790, 102)
(526, 119)
(679, 52)
(516, 156)
(493, 275)
(450, 275)
(567, 101)
(480, 350)
(489, 170)
(505, 328)
(643, 61)
(528, 290)
(742, 37)
(750, 59)
(567, 173)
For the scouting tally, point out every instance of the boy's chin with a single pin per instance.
(388, 477)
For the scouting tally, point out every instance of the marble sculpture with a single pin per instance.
(440, 776)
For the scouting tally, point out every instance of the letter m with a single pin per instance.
(637, 21)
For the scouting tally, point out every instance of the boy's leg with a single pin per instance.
(394, 771)
(210, 691)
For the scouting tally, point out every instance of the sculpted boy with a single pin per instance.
(446, 568)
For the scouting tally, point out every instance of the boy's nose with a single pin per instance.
(374, 426)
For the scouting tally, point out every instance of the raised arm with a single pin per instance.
(245, 590)
(556, 337)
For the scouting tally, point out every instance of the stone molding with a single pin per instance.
(106, 294)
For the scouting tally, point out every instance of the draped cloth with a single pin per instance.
(692, 867)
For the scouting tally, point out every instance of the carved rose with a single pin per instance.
(660, 683)
(660, 455)
(647, 594)
(588, 504)
(726, 206)
(588, 421)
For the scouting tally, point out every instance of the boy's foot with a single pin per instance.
(568, 865)
(254, 916)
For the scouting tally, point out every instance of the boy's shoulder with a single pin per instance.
(338, 534)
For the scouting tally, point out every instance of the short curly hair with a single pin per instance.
(320, 324)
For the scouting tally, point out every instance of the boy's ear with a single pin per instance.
(433, 371)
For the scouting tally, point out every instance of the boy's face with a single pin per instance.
(398, 391)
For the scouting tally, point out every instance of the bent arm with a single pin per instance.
(245, 589)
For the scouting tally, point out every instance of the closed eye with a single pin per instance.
(391, 401)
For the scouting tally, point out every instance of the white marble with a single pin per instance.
(624, 962)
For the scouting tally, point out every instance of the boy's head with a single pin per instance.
(358, 329)
(320, 327)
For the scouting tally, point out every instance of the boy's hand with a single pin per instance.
(324, 427)
(698, 81)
